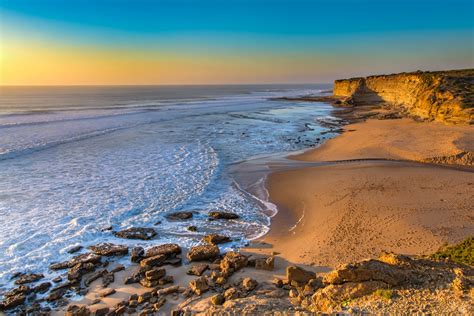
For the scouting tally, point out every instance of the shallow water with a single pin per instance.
(76, 160)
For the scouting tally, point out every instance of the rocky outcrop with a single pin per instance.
(446, 96)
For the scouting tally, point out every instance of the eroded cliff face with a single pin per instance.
(446, 96)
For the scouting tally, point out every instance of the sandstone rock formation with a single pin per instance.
(446, 96)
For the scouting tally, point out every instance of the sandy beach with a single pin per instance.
(355, 207)
(373, 196)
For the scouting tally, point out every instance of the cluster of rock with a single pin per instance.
(304, 291)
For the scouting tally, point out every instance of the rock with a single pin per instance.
(367, 270)
(300, 275)
(74, 310)
(192, 228)
(107, 278)
(265, 263)
(168, 250)
(249, 284)
(118, 268)
(148, 283)
(109, 249)
(144, 297)
(55, 295)
(173, 261)
(332, 295)
(136, 233)
(216, 239)
(42, 287)
(231, 294)
(198, 269)
(102, 311)
(152, 262)
(137, 254)
(83, 258)
(28, 278)
(199, 285)
(222, 215)
(161, 301)
(22, 289)
(168, 290)
(203, 252)
(57, 279)
(133, 278)
(94, 276)
(315, 283)
(106, 292)
(76, 272)
(232, 262)
(13, 301)
(155, 274)
(278, 282)
(176, 216)
(217, 299)
(74, 249)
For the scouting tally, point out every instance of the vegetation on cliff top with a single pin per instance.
(460, 253)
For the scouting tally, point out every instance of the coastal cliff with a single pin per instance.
(446, 96)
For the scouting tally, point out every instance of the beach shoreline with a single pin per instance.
(298, 236)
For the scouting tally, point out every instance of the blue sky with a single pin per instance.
(346, 35)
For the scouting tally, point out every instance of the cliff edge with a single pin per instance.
(446, 96)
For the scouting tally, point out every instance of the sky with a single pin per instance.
(105, 42)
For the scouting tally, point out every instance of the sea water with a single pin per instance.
(77, 160)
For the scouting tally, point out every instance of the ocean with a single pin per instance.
(76, 160)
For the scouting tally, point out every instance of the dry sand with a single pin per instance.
(351, 210)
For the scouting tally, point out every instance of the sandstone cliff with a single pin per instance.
(446, 96)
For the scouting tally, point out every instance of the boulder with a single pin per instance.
(231, 293)
(74, 310)
(106, 292)
(42, 287)
(133, 278)
(74, 249)
(102, 311)
(298, 274)
(199, 285)
(94, 276)
(28, 278)
(203, 252)
(198, 269)
(145, 296)
(109, 249)
(22, 289)
(176, 216)
(118, 268)
(83, 258)
(168, 250)
(216, 239)
(217, 299)
(232, 262)
(192, 228)
(136, 233)
(265, 263)
(222, 215)
(151, 262)
(76, 272)
(55, 295)
(367, 270)
(13, 301)
(137, 254)
(155, 274)
(107, 278)
(249, 284)
(168, 290)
